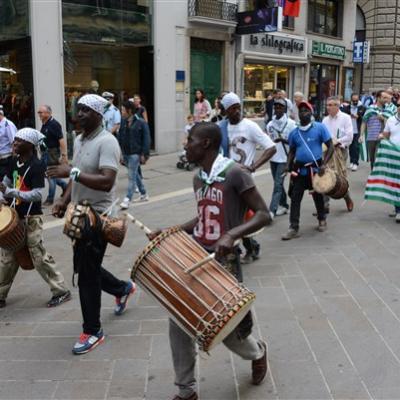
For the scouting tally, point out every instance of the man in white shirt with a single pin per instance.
(298, 97)
(278, 129)
(289, 104)
(340, 127)
(7, 133)
(244, 136)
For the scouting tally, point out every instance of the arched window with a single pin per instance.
(360, 25)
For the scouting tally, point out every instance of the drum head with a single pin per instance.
(325, 183)
(231, 324)
(6, 217)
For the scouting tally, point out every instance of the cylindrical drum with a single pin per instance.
(208, 303)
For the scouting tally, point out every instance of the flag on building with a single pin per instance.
(291, 8)
(384, 181)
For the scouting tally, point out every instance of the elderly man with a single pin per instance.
(112, 116)
(56, 151)
(341, 129)
(244, 136)
(92, 179)
(298, 98)
(7, 132)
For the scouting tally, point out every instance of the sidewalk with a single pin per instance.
(327, 303)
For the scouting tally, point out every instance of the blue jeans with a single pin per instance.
(279, 197)
(132, 162)
(53, 182)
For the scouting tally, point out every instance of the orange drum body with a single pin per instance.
(113, 229)
(13, 236)
(208, 303)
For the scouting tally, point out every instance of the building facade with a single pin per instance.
(382, 27)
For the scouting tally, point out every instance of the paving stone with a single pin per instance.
(33, 370)
(74, 390)
(27, 390)
(89, 370)
(154, 327)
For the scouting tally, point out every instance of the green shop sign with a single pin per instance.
(328, 50)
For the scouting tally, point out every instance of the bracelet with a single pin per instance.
(74, 174)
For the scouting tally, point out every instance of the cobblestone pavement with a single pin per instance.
(327, 303)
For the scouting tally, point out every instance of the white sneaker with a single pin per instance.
(125, 204)
(281, 211)
(397, 218)
(350, 166)
(136, 190)
(142, 198)
(272, 215)
(354, 167)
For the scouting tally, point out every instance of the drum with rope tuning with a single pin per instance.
(207, 302)
(13, 236)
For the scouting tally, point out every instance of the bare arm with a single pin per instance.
(265, 156)
(63, 149)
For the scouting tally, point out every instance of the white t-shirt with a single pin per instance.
(393, 127)
(276, 128)
(243, 140)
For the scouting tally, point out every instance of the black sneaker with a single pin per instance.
(2, 303)
(57, 300)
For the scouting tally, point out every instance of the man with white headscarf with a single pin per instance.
(21, 187)
(92, 180)
(244, 136)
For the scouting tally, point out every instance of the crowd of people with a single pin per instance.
(228, 149)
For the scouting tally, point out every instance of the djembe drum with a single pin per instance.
(13, 236)
(206, 302)
(331, 184)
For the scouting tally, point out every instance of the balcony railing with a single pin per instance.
(213, 9)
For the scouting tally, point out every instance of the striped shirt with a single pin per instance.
(374, 124)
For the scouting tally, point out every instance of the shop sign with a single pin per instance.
(275, 44)
(322, 49)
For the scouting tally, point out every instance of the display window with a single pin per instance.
(323, 84)
(259, 82)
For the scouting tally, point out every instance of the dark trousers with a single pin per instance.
(5, 165)
(354, 149)
(372, 147)
(91, 281)
(298, 185)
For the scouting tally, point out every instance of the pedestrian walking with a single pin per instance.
(21, 188)
(92, 180)
(304, 160)
(340, 128)
(134, 140)
(244, 136)
(202, 107)
(56, 149)
(279, 129)
(218, 224)
(7, 133)
(112, 116)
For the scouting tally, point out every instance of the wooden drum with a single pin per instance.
(331, 184)
(13, 236)
(208, 303)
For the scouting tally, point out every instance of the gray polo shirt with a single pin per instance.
(98, 151)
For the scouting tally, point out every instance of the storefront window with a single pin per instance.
(323, 84)
(16, 89)
(259, 82)
(324, 17)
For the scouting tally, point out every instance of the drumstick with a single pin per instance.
(200, 263)
(139, 224)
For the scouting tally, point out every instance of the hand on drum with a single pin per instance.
(224, 245)
(59, 209)
(153, 234)
(322, 170)
(59, 171)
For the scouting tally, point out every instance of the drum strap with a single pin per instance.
(308, 148)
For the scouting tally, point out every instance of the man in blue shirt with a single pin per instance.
(112, 116)
(304, 160)
(7, 132)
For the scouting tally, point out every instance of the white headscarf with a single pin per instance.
(30, 135)
(95, 102)
(230, 99)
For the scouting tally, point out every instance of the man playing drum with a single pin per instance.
(22, 186)
(305, 160)
(340, 127)
(92, 180)
(224, 191)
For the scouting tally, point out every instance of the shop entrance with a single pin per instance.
(323, 84)
(205, 69)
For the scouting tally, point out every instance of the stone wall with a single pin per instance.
(382, 30)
